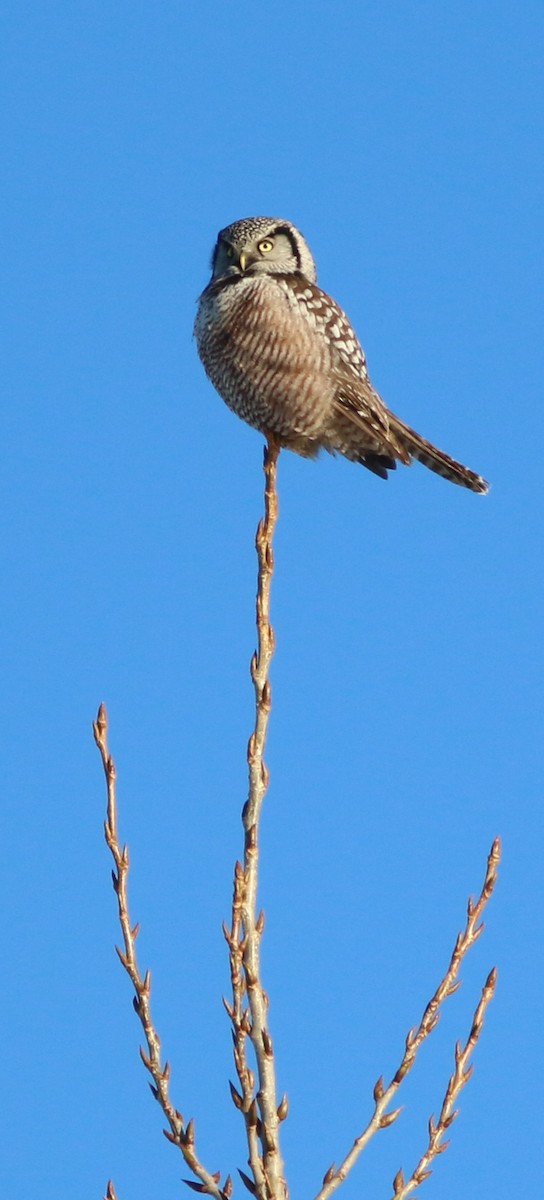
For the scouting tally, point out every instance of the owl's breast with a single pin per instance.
(263, 351)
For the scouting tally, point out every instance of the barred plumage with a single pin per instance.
(285, 358)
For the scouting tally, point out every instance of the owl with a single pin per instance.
(285, 357)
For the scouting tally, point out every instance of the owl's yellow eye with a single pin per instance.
(266, 246)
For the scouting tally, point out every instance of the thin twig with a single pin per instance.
(261, 1110)
(180, 1134)
(383, 1096)
(448, 1113)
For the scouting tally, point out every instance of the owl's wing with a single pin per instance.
(357, 403)
(363, 428)
(332, 324)
(363, 421)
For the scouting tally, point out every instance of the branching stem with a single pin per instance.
(384, 1095)
(248, 1011)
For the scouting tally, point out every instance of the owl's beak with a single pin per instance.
(242, 260)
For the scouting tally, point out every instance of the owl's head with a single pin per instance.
(262, 246)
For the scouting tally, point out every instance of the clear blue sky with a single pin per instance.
(406, 141)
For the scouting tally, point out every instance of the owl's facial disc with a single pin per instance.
(271, 252)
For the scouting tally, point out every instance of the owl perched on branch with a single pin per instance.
(285, 357)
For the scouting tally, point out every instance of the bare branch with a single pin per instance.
(179, 1134)
(255, 1096)
(383, 1096)
(249, 1010)
(448, 1113)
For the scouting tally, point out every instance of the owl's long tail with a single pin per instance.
(436, 459)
